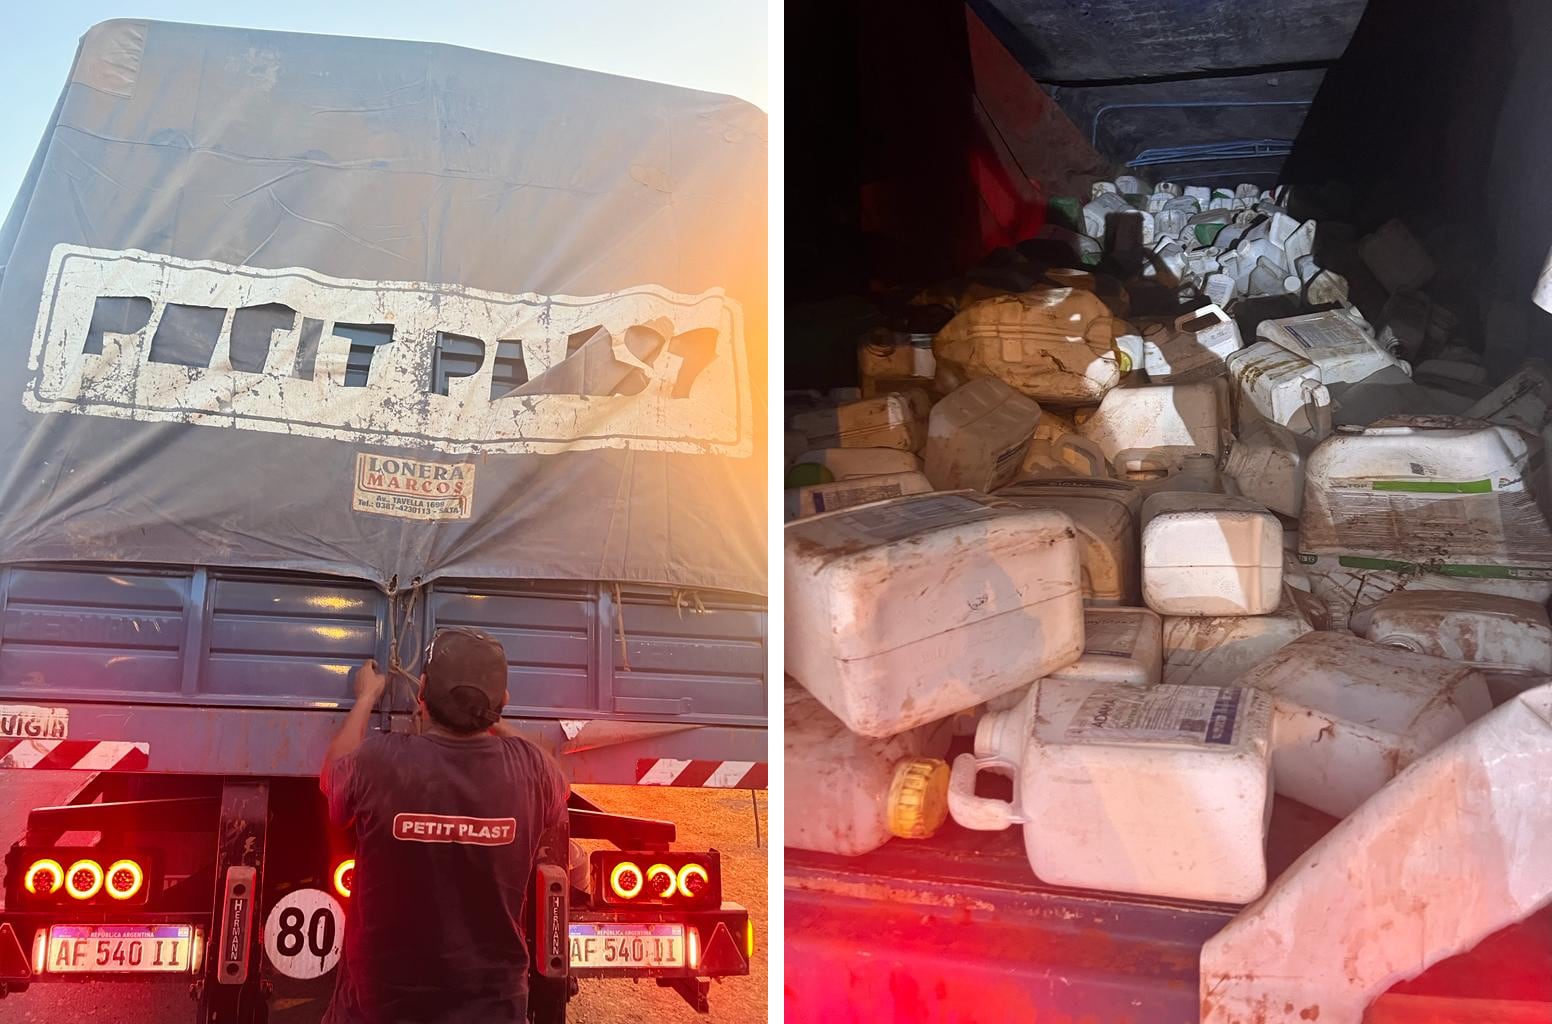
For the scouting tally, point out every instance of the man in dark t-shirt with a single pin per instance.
(447, 824)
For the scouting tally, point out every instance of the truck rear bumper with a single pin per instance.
(862, 946)
(957, 927)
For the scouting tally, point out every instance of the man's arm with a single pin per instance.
(369, 684)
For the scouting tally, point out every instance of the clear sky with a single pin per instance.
(716, 45)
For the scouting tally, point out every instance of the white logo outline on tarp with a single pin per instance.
(393, 409)
(307, 962)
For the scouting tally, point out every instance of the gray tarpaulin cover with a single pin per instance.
(384, 309)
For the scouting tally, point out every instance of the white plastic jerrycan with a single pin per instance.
(1120, 645)
(1449, 493)
(848, 794)
(816, 498)
(1279, 386)
(1524, 400)
(1341, 347)
(1502, 636)
(1208, 554)
(1266, 463)
(1195, 349)
(856, 463)
(1160, 791)
(1147, 432)
(906, 611)
(978, 436)
(896, 420)
(1056, 345)
(1057, 448)
(1105, 513)
(1351, 714)
(1215, 650)
(884, 355)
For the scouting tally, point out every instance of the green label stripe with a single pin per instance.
(1435, 486)
(1482, 572)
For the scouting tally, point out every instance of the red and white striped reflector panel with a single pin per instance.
(668, 771)
(83, 755)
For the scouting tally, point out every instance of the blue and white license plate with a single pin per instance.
(119, 948)
(626, 946)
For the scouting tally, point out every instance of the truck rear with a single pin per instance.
(316, 346)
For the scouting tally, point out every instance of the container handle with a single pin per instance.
(1317, 405)
(1084, 449)
(982, 813)
(1144, 461)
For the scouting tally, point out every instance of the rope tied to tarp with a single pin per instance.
(619, 621)
(688, 599)
(401, 612)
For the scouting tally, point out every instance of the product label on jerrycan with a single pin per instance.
(1162, 714)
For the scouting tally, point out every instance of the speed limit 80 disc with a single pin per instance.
(304, 932)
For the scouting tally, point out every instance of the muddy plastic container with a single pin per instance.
(848, 794)
(1058, 449)
(1160, 791)
(1194, 349)
(1055, 345)
(1349, 586)
(1351, 714)
(1064, 455)
(1120, 645)
(856, 463)
(888, 421)
(1344, 350)
(1147, 432)
(1434, 863)
(1282, 387)
(1215, 650)
(817, 498)
(1208, 554)
(1105, 513)
(978, 436)
(1266, 464)
(887, 359)
(906, 611)
(1523, 401)
(1508, 639)
(1444, 492)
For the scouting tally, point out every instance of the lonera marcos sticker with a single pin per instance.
(413, 488)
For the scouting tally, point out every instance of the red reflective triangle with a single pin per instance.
(13, 962)
(722, 955)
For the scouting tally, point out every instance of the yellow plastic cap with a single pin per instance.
(918, 797)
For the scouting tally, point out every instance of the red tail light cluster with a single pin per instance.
(345, 877)
(658, 879)
(60, 875)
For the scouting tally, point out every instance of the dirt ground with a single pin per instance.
(708, 819)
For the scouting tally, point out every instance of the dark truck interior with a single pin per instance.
(924, 138)
(924, 141)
